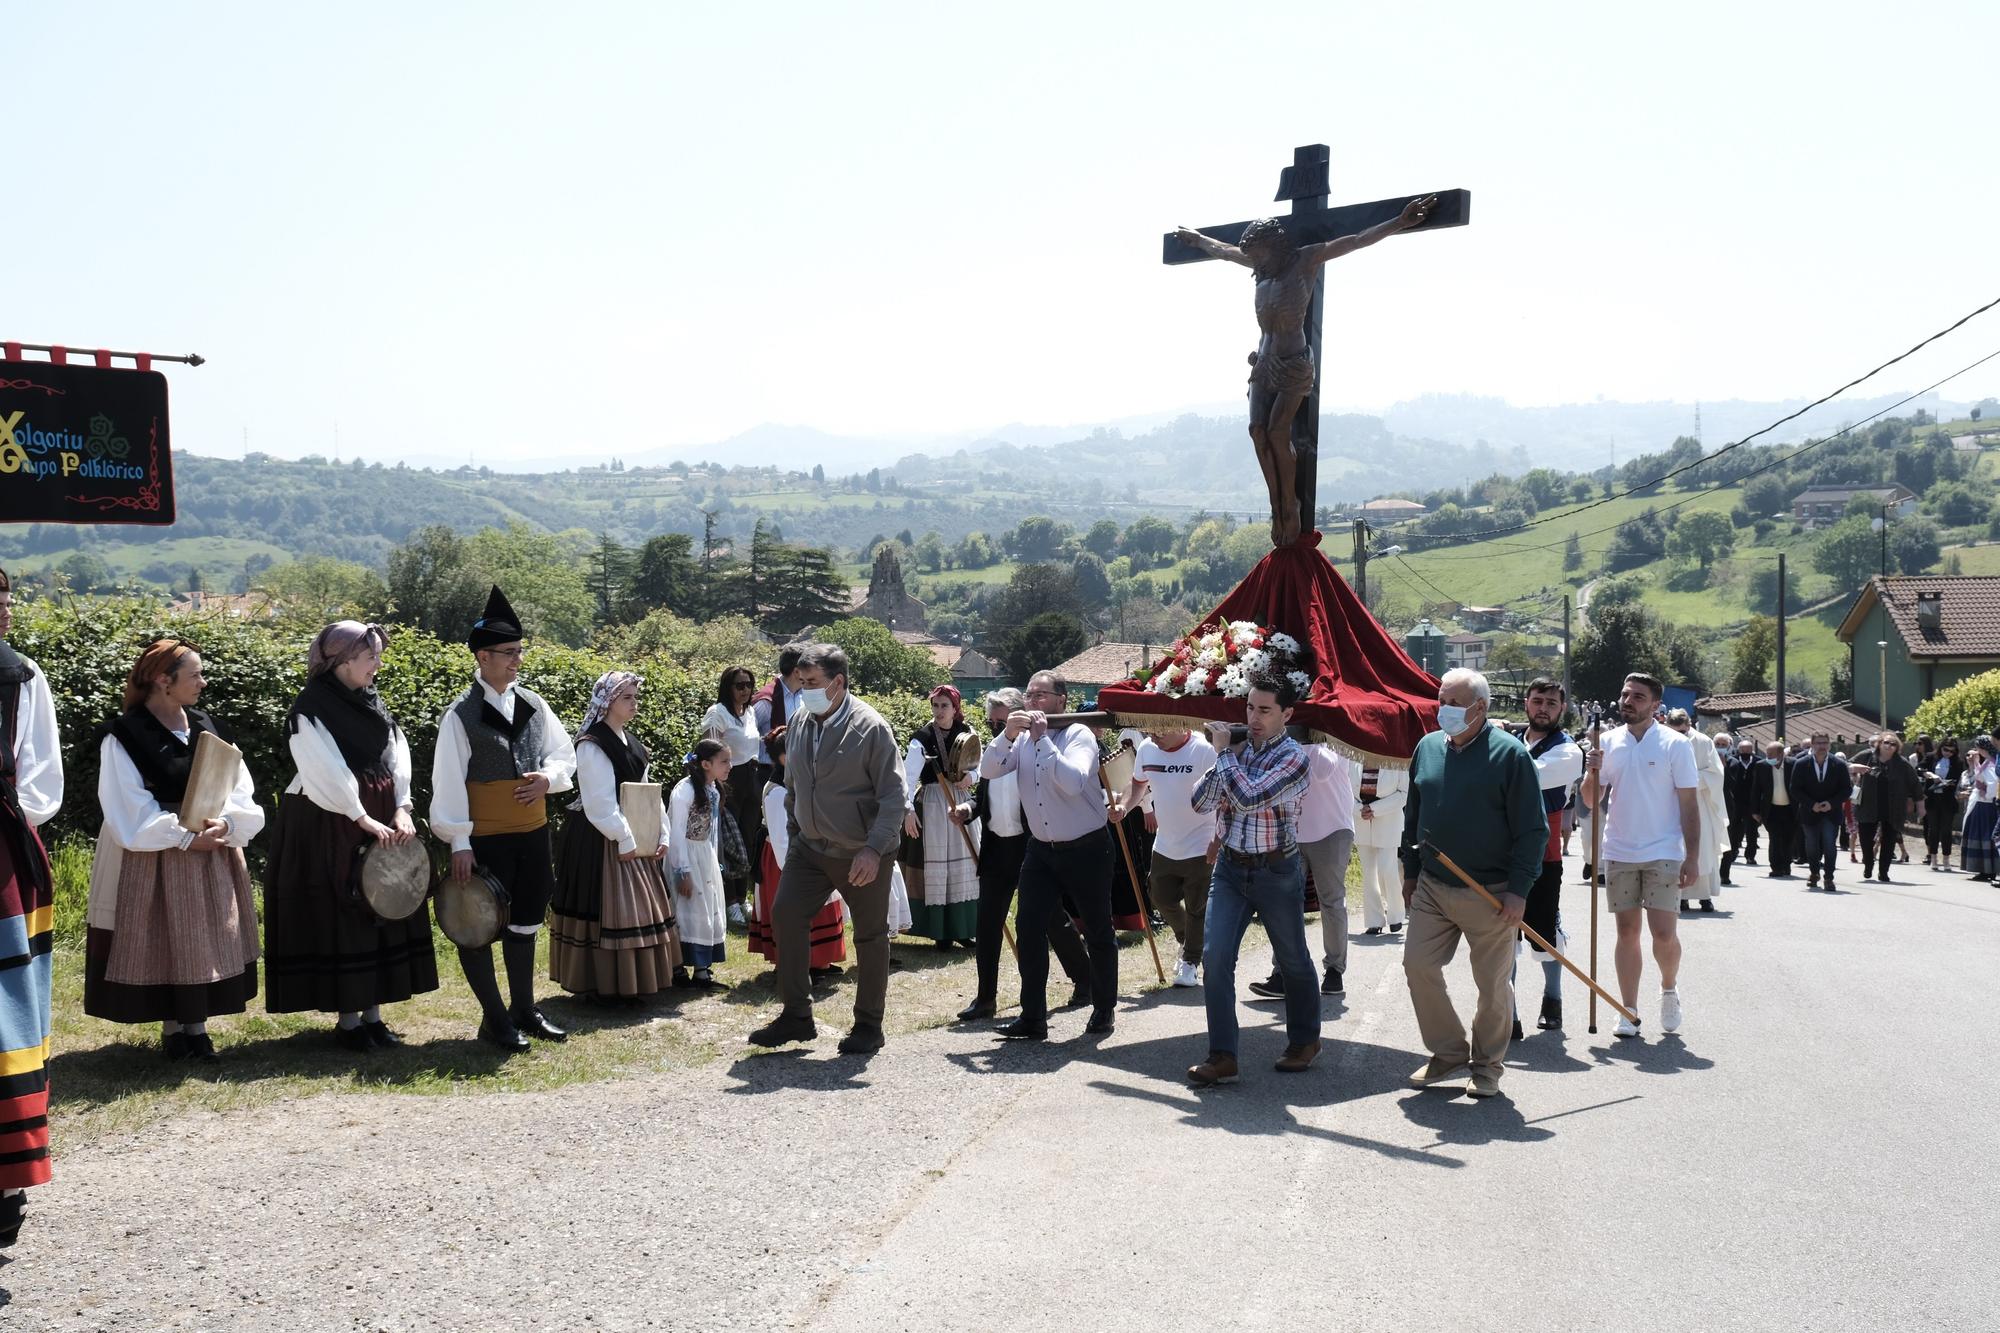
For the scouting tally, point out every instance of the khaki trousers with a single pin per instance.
(808, 879)
(1440, 913)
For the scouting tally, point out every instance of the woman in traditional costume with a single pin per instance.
(31, 791)
(732, 720)
(829, 944)
(694, 821)
(613, 935)
(940, 769)
(172, 920)
(325, 948)
(1981, 781)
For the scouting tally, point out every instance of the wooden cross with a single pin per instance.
(1305, 183)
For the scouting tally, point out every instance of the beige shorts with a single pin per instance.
(1633, 884)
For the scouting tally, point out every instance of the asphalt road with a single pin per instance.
(1814, 1151)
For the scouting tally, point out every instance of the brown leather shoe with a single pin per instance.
(1297, 1059)
(1220, 1067)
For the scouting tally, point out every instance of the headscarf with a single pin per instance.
(603, 692)
(341, 642)
(936, 743)
(957, 704)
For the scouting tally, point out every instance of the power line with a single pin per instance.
(1737, 444)
(1695, 495)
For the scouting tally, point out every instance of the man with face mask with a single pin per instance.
(1475, 796)
(1739, 798)
(844, 808)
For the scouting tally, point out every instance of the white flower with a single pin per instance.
(1235, 683)
(1197, 683)
(1301, 680)
(1281, 643)
(1257, 659)
(1210, 657)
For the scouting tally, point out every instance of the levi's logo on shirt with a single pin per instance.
(1167, 768)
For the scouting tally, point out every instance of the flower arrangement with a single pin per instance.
(1220, 659)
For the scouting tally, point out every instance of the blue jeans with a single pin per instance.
(1822, 839)
(1278, 897)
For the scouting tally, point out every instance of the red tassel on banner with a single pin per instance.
(103, 359)
(143, 361)
(59, 356)
(12, 350)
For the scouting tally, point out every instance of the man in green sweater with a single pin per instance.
(1475, 796)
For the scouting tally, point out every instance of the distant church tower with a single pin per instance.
(888, 600)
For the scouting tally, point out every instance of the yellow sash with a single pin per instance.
(494, 809)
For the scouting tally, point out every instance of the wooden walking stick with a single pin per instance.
(1529, 931)
(1138, 887)
(1596, 850)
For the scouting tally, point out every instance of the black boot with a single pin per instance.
(1552, 1013)
(477, 964)
(519, 951)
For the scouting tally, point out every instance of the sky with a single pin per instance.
(499, 231)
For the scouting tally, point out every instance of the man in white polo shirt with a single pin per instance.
(1170, 763)
(1652, 840)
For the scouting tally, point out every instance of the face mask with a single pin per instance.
(1451, 718)
(814, 701)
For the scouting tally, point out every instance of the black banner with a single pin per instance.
(81, 444)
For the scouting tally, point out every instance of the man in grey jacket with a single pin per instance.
(844, 807)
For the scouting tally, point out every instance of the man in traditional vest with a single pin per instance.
(31, 791)
(1558, 765)
(500, 754)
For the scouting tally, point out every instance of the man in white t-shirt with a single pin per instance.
(1170, 763)
(1652, 840)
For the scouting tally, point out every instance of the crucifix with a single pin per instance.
(1288, 256)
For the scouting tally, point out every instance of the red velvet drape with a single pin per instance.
(1367, 693)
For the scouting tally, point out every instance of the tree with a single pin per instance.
(975, 550)
(819, 474)
(1034, 590)
(801, 585)
(1624, 591)
(1092, 584)
(1767, 495)
(1617, 640)
(878, 664)
(1544, 486)
(1955, 503)
(1752, 654)
(1572, 553)
(1914, 545)
(1037, 537)
(665, 576)
(610, 574)
(547, 590)
(1702, 538)
(1848, 553)
(1102, 539)
(432, 585)
(1638, 541)
(1042, 642)
(1763, 590)
(929, 552)
(1149, 540)
(319, 587)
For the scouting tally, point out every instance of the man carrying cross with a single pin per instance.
(1282, 373)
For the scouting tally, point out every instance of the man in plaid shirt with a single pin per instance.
(1257, 788)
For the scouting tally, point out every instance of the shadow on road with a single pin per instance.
(794, 1068)
(1663, 1055)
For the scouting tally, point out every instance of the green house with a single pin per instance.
(1910, 636)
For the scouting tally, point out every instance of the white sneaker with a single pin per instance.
(1626, 1027)
(1670, 1011)
(1186, 974)
(736, 917)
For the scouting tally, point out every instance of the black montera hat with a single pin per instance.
(497, 625)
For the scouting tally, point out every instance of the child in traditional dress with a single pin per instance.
(694, 818)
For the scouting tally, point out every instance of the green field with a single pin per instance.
(220, 559)
(1981, 559)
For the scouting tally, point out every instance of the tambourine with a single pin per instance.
(393, 878)
(472, 912)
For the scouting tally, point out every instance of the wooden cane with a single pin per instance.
(1138, 888)
(1529, 931)
(973, 852)
(1596, 850)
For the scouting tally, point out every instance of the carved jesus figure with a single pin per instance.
(1281, 374)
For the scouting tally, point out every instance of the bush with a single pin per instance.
(1967, 709)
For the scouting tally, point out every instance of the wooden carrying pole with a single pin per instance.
(1596, 868)
(1138, 887)
(1529, 931)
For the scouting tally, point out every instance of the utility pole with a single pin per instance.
(1781, 647)
(1361, 559)
(1566, 652)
